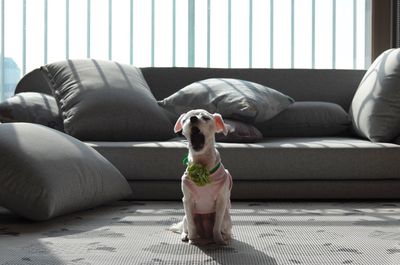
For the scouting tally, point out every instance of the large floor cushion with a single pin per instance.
(325, 158)
(45, 173)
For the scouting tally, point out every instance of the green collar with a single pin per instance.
(185, 161)
(212, 171)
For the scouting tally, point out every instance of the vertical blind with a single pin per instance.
(185, 33)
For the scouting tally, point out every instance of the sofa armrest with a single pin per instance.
(34, 81)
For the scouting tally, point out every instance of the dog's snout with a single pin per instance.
(193, 119)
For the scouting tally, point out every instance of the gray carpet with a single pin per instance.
(264, 233)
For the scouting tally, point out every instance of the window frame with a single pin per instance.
(383, 28)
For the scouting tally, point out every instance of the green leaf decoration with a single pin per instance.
(199, 174)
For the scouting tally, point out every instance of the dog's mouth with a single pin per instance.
(197, 139)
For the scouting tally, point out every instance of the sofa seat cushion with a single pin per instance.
(324, 158)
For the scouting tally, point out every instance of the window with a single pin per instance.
(199, 33)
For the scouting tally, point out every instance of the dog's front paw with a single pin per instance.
(227, 237)
(184, 237)
(219, 240)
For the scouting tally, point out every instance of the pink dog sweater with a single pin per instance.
(206, 196)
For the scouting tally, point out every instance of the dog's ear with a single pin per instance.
(178, 124)
(220, 124)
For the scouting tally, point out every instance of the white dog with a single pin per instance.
(206, 184)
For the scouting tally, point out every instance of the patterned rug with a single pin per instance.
(264, 233)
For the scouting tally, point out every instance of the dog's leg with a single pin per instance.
(227, 226)
(184, 233)
(220, 209)
(191, 232)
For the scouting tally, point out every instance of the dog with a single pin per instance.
(206, 203)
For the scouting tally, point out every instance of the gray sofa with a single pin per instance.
(345, 167)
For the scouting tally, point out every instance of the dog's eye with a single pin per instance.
(206, 118)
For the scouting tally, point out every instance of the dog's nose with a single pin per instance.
(193, 119)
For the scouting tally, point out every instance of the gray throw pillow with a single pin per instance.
(32, 107)
(307, 119)
(45, 173)
(232, 98)
(375, 109)
(239, 132)
(106, 101)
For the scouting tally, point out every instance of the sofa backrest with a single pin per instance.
(337, 86)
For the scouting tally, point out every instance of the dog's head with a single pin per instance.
(199, 128)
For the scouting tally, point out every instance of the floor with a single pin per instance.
(264, 233)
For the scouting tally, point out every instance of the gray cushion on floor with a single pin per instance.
(106, 101)
(45, 173)
(307, 119)
(375, 109)
(313, 158)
